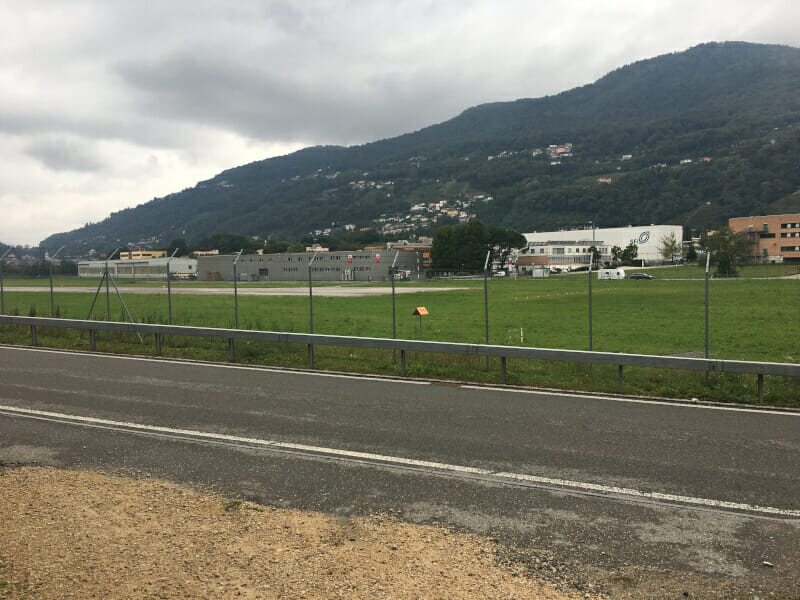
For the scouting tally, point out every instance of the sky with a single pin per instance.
(108, 104)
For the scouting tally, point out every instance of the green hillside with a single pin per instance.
(732, 109)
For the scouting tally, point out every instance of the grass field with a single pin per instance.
(755, 319)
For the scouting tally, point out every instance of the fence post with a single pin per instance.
(760, 387)
(708, 262)
(486, 300)
(311, 312)
(619, 378)
(236, 290)
(34, 340)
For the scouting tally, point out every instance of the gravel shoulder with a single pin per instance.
(84, 534)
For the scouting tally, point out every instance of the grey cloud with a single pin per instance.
(60, 154)
(263, 103)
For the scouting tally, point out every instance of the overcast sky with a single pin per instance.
(107, 104)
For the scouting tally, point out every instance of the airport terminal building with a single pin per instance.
(351, 265)
(646, 237)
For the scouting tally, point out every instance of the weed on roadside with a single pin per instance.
(232, 505)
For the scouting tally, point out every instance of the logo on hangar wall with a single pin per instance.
(644, 237)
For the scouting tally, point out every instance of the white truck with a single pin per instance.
(611, 273)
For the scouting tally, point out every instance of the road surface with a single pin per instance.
(598, 483)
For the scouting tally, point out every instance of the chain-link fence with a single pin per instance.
(755, 316)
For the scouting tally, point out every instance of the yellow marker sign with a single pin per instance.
(421, 311)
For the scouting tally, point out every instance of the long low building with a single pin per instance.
(148, 268)
(647, 238)
(355, 265)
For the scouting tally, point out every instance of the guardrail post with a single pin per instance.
(158, 344)
(403, 363)
(310, 356)
(760, 387)
(92, 339)
(231, 350)
(34, 340)
(619, 378)
(503, 368)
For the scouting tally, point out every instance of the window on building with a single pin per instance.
(765, 227)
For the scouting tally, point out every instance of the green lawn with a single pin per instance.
(749, 320)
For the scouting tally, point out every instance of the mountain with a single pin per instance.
(614, 152)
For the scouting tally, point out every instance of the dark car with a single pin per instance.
(640, 276)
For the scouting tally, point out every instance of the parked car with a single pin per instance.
(640, 276)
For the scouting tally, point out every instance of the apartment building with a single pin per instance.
(773, 238)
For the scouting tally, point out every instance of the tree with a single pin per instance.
(616, 254)
(595, 256)
(275, 247)
(67, 267)
(691, 253)
(727, 249)
(228, 243)
(460, 246)
(503, 241)
(629, 254)
(178, 244)
(669, 247)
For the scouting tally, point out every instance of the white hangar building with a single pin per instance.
(646, 237)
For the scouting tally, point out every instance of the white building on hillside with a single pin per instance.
(646, 237)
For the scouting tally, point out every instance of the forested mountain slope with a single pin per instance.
(732, 109)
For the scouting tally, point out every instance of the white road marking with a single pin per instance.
(191, 363)
(409, 462)
(677, 404)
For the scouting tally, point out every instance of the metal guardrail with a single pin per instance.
(621, 360)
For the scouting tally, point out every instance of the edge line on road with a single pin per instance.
(666, 403)
(430, 466)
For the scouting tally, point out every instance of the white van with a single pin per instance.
(611, 274)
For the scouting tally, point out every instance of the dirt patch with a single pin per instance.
(80, 534)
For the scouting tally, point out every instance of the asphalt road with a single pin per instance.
(587, 484)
